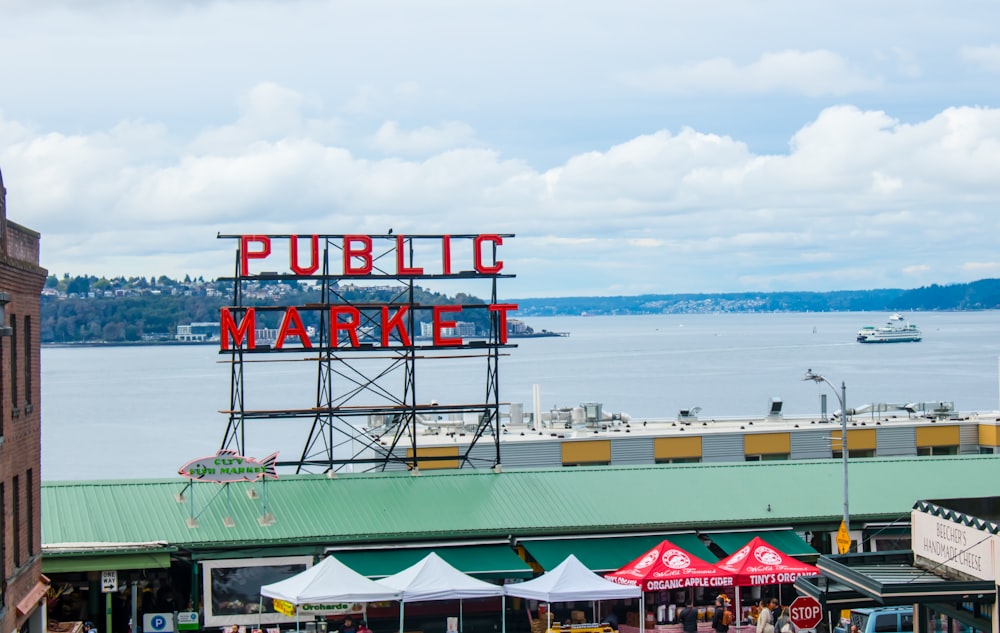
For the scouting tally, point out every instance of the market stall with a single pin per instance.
(568, 582)
(432, 578)
(667, 567)
(326, 582)
(757, 563)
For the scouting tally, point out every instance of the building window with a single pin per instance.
(983, 450)
(27, 359)
(15, 518)
(3, 539)
(29, 498)
(925, 451)
(13, 361)
(768, 457)
(855, 454)
(678, 460)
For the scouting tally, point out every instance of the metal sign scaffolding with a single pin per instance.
(366, 329)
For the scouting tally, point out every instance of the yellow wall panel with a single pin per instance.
(589, 452)
(938, 436)
(857, 439)
(989, 435)
(435, 451)
(677, 447)
(767, 443)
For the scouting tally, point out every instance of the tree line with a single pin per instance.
(130, 310)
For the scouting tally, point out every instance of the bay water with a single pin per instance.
(137, 412)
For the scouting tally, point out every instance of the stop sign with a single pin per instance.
(805, 612)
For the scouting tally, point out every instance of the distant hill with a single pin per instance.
(91, 309)
(978, 295)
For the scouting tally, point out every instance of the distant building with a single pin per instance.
(199, 332)
(22, 586)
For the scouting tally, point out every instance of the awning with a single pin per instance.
(787, 541)
(892, 579)
(31, 599)
(609, 553)
(74, 562)
(482, 561)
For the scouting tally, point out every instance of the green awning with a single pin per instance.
(785, 541)
(61, 563)
(482, 561)
(610, 553)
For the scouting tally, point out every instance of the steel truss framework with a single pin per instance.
(358, 384)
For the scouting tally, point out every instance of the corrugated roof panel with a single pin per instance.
(392, 507)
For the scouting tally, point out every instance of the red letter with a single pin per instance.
(394, 322)
(364, 253)
(246, 254)
(502, 309)
(401, 268)
(350, 325)
(446, 254)
(228, 328)
(477, 253)
(440, 324)
(314, 261)
(291, 325)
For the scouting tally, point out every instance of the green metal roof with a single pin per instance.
(609, 553)
(482, 504)
(786, 541)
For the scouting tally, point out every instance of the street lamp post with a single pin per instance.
(842, 396)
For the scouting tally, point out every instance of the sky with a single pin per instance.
(630, 147)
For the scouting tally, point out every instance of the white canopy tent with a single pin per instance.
(432, 578)
(328, 581)
(569, 581)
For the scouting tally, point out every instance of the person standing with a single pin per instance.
(764, 621)
(689, 618)
(720, 621)
(784, 622)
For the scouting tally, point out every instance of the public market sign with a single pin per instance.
(364, 258)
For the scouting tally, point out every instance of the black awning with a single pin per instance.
(890, 578)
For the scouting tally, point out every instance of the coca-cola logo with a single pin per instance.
(676, 559)
(648, 559)
(766, 555)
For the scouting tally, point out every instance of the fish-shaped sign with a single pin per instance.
(227, 466)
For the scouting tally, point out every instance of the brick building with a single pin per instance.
(22, 586)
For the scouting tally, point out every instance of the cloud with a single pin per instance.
(390, 139)
(984, 57)
(810, 73)
(859, 199)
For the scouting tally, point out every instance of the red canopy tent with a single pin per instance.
(667, 566)
(758, 563)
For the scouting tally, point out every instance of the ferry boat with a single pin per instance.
(897, 330)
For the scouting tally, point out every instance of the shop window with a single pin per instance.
(986, 450)
(678, 460)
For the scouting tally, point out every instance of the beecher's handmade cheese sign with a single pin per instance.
(366, 257)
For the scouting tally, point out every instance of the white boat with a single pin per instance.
(897, 330)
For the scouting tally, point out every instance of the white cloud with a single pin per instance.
(425, 140)
(985, 57)
(810, 73)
